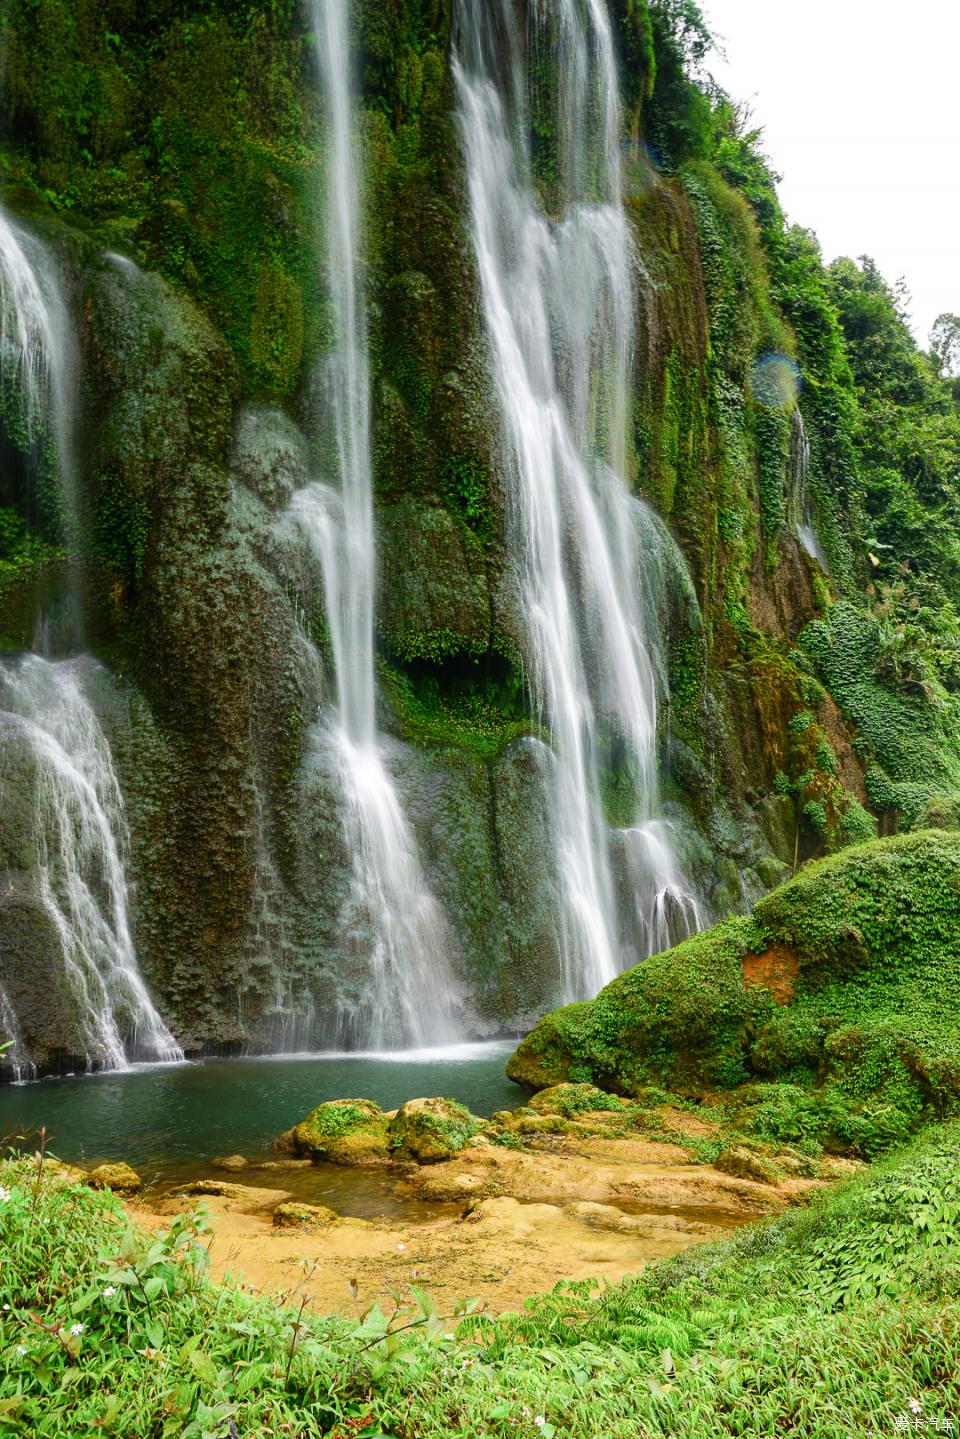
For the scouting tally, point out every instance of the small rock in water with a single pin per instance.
(118, 1177)
(431, 1130)
(285, 1164)
(302, 1216)
(213, 1188)
(229, 1161)
(340, 1131)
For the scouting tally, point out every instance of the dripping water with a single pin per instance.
(81, 839)
(802, 516)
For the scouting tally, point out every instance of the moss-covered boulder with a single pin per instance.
(343, 1131)
(118, 1177)
(294, 1215)
(844, 982)
(569, 1100)
(430, 1130)
(745, 1164)
(212, 1189)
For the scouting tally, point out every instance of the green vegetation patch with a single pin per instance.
(842, 988)
(841, 1317)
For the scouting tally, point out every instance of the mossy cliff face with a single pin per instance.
(835, 999)
(171, 157)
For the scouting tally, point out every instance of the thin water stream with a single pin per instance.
(393, 931)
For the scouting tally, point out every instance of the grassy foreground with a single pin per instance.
(841, 1319)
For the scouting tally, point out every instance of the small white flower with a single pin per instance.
(109, 1292)
(5, 1194)
(76, 1330)
(401, 1246)
(21, 1349)
(539, 1420)
(6, 1307)
(916, 1405)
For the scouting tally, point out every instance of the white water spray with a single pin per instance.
(79, 828)
(81, 838)
(38, 351)
(392, 929)
(558, 303)
(15, 1055)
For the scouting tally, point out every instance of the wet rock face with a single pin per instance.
(31, 975)
(207, 764)
(433, 583)
(269, 455)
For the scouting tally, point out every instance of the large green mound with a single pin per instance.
(836, 1003)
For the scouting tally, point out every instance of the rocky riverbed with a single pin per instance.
(576, 1184)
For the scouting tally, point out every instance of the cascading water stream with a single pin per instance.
(81, 837)
(558, 304)
(391, 925)
(802, 517)
(78, 825)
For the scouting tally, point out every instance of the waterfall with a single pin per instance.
(38, 359)
(81, 837)
(79, 829)
(558, 300)
(802, 518)
(15, 1055)
(392, 929)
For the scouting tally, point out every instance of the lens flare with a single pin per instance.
(775, 382)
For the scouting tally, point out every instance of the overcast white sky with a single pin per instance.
(860, 104)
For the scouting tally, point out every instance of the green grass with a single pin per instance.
(826, 1322)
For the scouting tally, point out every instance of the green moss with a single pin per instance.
(175, 137)
(343, 1131)
(772, 432)
(873, 935)
(909, 731)
(456, 708)
(430, 1130)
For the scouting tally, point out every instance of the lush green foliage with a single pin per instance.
(826, 1321)
(883, 426)
(863, 1044)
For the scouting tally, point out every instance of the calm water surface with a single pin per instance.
(171, 1119)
